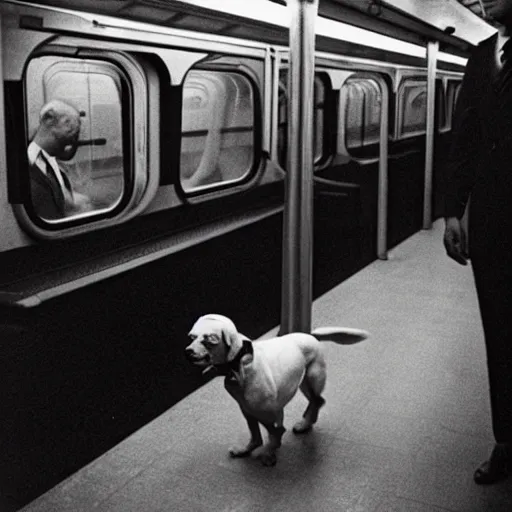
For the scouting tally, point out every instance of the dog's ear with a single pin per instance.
(229, 337)
(226, 339)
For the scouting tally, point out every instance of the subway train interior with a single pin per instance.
(188, 131)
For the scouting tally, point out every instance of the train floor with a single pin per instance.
(407, 418)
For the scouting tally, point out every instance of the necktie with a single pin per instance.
(55, 185)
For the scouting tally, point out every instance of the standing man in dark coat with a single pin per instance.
(480, 165)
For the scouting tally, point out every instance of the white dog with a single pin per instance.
(264, 376)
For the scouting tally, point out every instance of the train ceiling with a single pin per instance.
(465, 17)
(415, 21)
(448, 21)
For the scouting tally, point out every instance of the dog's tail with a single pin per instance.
(340, 335)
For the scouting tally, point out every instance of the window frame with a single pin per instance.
(128, 185)
(329, 109)
(137, 80)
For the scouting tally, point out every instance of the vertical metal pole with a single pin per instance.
(297, 282)
(432, 50)
(3, 154)
(275, 105)
(382, 213)
(268, 99)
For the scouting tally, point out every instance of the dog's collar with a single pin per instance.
(228, 368)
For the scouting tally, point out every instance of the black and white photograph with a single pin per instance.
(256, 255)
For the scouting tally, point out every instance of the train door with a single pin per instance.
(407, 159)
(362, 121)
(441, 146)
(447, 90)
(356, 166)
(347, 122)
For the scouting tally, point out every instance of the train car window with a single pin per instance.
(363, 103)
(319, 117)
(452, 94)
(456, 95)
(373, 106)
(75, 125)
(282, 125)
(412, 108)
(282, 119)
(354, 115)
(441, 107)
(218, 120)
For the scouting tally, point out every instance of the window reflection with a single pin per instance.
(412, 108)
(363, 105)
(217, 128)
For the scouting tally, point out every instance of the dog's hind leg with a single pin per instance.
(312, 386)
(255, 441)
(310, 416)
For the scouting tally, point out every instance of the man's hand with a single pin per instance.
(455, 240)
(82, 203)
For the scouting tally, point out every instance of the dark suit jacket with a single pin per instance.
(480, 160)
(48, 200)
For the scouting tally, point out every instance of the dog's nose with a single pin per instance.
(189, 353)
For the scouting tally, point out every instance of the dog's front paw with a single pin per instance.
(267, 456)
